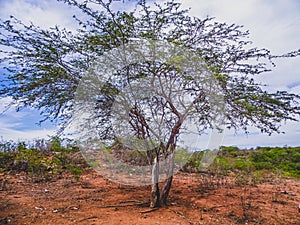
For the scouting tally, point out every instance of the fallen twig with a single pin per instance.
(127, 201)
(124, 205)
(88, 218)
(149, 210)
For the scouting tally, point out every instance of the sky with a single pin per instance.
(274, 24)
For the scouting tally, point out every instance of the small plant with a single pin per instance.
(75, 171)
(258, 177)
(6, 161)
(245, 207)
(242, 179)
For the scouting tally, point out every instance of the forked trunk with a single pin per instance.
(160, 198)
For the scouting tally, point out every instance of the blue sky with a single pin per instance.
(274, 24)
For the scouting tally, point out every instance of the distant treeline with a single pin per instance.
(284, 160)
(47, 158)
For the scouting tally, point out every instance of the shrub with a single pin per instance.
(220, 166)
(194, 162)
(6, 161)
(264, 166)
(243, 165)
(75, 171)
(42, 159)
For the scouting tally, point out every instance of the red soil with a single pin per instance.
(95, 200)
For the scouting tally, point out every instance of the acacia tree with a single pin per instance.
(44, 69)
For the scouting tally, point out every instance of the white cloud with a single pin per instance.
(21, 125)
(4, 103)
(285, 75)
(14, 127)
(43, 13)
(25, 135)
(255, 138)
(273, 24)
(262, 18)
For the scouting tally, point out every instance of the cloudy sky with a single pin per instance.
(274, 24)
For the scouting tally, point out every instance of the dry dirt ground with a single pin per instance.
(95, 200)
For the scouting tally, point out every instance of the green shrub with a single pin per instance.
(243, 165)
(75, 171)
(264, 166)
(285, 159)
(242, 179)
(32, 161)
(220, 166)
(6, 161)
(258, 177)
(182, 155)
(194, 162)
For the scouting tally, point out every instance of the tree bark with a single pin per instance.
(168, 183)
(166, 190)
(160, 199)
(155, 194)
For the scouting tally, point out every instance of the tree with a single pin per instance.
(47, 70)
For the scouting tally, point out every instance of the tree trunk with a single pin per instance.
(168, 183)
(155, 195)
(166, 190)
(160, 199)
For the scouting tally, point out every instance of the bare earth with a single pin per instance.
(95, 200)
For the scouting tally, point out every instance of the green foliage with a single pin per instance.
(229, 149)
(6, 161)
(56, 144)
(253, 166)
(243, 164)
(220, 166)
(181, 155)
(75, 171)
(259, 177)
(285, 159)
(194, 162)
(39, 163)
(258, 163)
(30, 160)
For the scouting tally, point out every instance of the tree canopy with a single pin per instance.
(45, 69)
